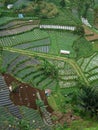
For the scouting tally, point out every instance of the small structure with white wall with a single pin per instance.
(71, 28)
(47, 92)
(10, 88)
(64, 52)
(85, 21)
(20, 16)
(9, 6)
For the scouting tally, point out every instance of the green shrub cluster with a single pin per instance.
(41, 9)
(82, 47)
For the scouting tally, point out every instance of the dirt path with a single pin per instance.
(90, 35)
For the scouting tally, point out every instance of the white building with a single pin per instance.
(9, 6)
(64, 52)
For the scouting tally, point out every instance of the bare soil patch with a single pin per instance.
(68, 117)
(89, 34)
(87, 31)
(92, 38)
(25, 94)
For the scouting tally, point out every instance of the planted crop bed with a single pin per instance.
(17, 30)
(34, 118)
(27, 69)
(6, 119)
(90, 67)
(65, 17)
(60, 40)
(31, 36)
(18, 23)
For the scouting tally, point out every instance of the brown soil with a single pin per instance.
(87, 31)
(90, 35)
(92, 38)
(25, 94)
(68, 117)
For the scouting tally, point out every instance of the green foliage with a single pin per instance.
(14, 86)
(96, 11)
(50, 69)
(45, 10)
(60, 127)
(62, 3)
(54, 118)
(2, 69)
(6, 2)
(39, 103)
(65, 17)
(82, 6)
(41, 9)
(57, 101)
(24, 37)
(23, 125)
(82, 47)
(83, 125)
(88, 100)
(1, 12)
(79, 30)
(1, 49)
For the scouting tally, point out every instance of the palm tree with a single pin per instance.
(88, 100)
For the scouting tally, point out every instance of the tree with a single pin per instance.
(23, 125)
(6, 2)
(49, 69)
(62, 3)
(15, 86)
(82, 6)
(39, 103)
(79, 30)
(2, 69)
(82, 47)
(88, 100)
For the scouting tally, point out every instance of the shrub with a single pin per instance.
(82, 47)
(49, 69)
(14, 86)
(79, 30)
(39, 103)
(41, 9)
(24, 125)
(3, 70)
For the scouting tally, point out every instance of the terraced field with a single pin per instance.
(24, 55)
(35, 40)
(65, 17)
(90, 68)
(4, 20)
(14, 27)
(33, 117)
(38, 40)
(67, 76)
(60, 40)
(27, 69)
(6, 119)
(34, 35)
